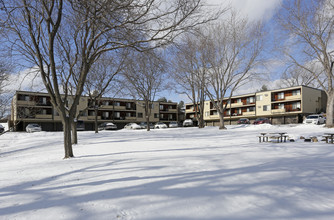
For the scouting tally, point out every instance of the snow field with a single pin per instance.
(181, 173)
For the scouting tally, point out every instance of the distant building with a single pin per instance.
(281, 106)
(35, 107)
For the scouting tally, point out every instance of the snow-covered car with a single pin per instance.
(314, 119)
(33, 128)
(173, 124)
(143, 125)
(160, 125)
(132, 126)
(2, 129)
(107, 126)
(188, 123)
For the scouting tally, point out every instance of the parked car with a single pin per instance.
(132, 126)
(243, 121)
(2, 129)
(107, 126)
(173, 124)
(188, 123)
(33, 128)
(261, 121)
(314, 119)
(143, 125)
(160, 125)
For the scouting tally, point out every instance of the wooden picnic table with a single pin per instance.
(329, 136)
(277, 135)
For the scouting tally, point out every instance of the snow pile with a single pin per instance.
(182, 173)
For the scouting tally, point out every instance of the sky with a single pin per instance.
(255, 10)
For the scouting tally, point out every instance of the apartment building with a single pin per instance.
(35, 107)
(281, 106)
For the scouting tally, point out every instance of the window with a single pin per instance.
(105, 103)
(117, 104)
(250, 100)
(207, 113)
(259, 98)
(128, 114)
(280, 95)
(128, 105)
(117, 114)
(161, 107)
(296, 92)
(238, 100)
(251, 109)
(156, 115)
(105, 114)
(26, 98)
(170, 116)
(281, 106)
(266, 108)
(152, 106)
(296, 105)
(140, 115)
(239, 111)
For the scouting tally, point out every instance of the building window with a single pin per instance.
(238, 100)
(266, 108)
(128, 114)
(117, 104)
(259, 98)
(117, 114)
(281, 106)
(105, 114)
(296, 105)
(239, 111)
(280, 95)
(161, 107)
(128, 105)
(140, 115)
(156, 115)
(296, 92)
(251, 109)
(207, 113)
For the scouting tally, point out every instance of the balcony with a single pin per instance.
(40, 116)
(23, 102)
(92, 117)
(234, 105)
(278, 111)
(130, 118)
(248, 113)
(294, 97)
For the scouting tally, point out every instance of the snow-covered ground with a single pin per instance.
(181, 173)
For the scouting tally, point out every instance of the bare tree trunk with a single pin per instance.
(221, 121)
(330, 109)
(74, 133)
(67, 138)
(95, 122)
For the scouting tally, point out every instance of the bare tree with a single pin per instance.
(65, 38)
(101, 78)
(231, 56)
(144, 78)
(296, 76)
(189, 74)
(310, 27)
(4, 99)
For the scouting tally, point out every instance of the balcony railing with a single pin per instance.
(248, 113)
(278, 111)
(40, 116)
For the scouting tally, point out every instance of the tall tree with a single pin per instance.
(4, 100)
(144, 78)
(65, 38)
(189, 75)
(310, 27)
(231, 56)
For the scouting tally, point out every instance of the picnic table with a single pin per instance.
(279, 136)
(329, 136)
